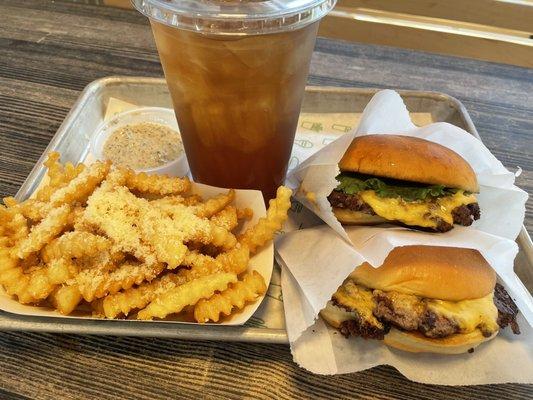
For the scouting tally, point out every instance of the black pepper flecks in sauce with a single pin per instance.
(143, 145)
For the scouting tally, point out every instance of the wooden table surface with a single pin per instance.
(50, 50)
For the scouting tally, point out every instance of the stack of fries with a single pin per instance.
(131, 245)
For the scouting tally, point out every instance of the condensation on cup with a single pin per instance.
(236, 71)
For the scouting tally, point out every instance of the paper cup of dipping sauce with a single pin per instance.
(236, 71)
(145, 139)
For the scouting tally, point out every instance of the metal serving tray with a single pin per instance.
(267, 324)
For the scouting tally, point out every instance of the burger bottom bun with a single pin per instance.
(350, 217)
(415, 342)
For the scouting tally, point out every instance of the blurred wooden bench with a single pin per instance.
(492, 30)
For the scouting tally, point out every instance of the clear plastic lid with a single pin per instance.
(235, 17)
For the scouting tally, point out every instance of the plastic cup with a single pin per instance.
(236, 71)
(157, 115)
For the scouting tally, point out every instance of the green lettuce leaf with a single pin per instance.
(409, 191)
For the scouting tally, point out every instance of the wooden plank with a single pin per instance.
(118, 3)
(68, 366)
(504, 14)
(342, 26)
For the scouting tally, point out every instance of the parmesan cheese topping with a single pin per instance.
(143, 230)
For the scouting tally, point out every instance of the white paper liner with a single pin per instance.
(317, 260)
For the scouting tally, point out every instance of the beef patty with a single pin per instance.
(507, 309)
(409, 313)
(361, 326)
(350, 202)
(462, 215)
(466, 214)
(357, 327)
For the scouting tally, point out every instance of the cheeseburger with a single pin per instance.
(406, 180)
(424, 299)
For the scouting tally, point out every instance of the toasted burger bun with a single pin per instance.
(444, 273)
(417, 343)
(350, 217)
(410, 159)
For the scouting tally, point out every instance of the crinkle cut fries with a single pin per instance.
(131, 245)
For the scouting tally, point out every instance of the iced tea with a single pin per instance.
(237, 101)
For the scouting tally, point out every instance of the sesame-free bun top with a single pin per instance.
(410, 159)
(444, 273)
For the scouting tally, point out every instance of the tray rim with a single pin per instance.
(16, 322)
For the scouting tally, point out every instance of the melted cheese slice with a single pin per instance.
(423, 213)
(359, 299)
(469, 314)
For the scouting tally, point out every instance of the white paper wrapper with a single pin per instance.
(317, 260)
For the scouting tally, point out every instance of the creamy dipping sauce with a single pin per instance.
(143, 145)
